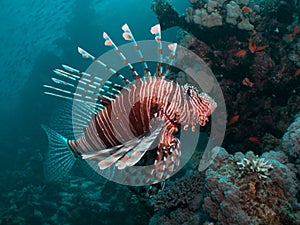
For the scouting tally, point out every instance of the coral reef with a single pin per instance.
(291, 147)
(27, 199)
(180, 193)
(204, 14)
(259, 190)
(180, 201)
(74, 201)
(291, 140)
(254, 165)
(254, 54)
(256, 190)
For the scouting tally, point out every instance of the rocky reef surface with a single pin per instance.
(237, 189)
(252, 48)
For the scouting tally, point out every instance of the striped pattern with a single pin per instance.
(129, 115)
(115, 133)
(128, 119)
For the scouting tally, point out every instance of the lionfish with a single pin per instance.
(120, 123)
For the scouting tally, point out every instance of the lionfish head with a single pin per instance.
(202, 103)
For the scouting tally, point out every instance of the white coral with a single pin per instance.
(257, 165)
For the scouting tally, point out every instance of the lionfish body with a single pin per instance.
(146, 113)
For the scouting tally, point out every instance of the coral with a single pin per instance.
(209, 14)
(214, 20)
(73, 201)
(259, 166)
(188, 40)
(245, 25)
(177, 217)
(179, 193)
(270, 142)
(260, 67)
(180, 201)
(291, 146)
(254, 42)
(295, 58)
(291, 139)
(203, 18)
(277, 155)
(233, 12)
(292, 39)
(257, 191)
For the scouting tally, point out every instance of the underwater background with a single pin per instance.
(252, 47)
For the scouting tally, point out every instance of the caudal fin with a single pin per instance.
(60, 158)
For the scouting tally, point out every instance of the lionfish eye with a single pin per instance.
(188, 92)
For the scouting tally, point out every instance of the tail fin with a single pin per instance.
(60, 158)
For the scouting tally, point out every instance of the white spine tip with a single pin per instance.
(155, 29)
(125, 27)
(172, 47)
(55, 80)
(80, 50)
(105, 36)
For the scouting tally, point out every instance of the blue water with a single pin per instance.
(37, 36)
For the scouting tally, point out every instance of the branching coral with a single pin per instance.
(259, 166)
